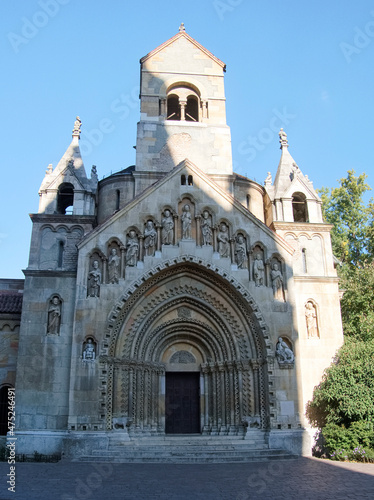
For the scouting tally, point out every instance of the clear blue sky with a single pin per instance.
(62, 58)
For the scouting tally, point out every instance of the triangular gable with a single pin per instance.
(192, 169)
(63, 174)
(191, 40)
(299, 184)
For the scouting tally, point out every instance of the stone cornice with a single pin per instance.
(316, 227)
(46, 273)
(317, 279)
(65, 219)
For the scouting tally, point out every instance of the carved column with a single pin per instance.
(198, 229)
(105, 265)
(141, 247)
(232, 248)
(175, 217)
(123, 266)
(256, 389)
(214, 231)
(215, 397)
(159, 242)
(204, 105)
(221, 374)
(232, 399)
(183, 105)
(205, 370)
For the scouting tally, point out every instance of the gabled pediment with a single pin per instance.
(300, 185)
(169, 192)
(182, 35)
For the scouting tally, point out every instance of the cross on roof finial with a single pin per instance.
(181, 27)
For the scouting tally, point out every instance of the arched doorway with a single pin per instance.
(186, 333)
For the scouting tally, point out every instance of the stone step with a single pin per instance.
(181, 456)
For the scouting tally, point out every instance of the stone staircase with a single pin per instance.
(188, 449)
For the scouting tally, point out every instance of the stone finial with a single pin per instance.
(49, 169)
(93, 172)
(268, 180)
(181, 27)
(77, 127)
(283, 139)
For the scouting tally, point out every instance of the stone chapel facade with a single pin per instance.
(174, 296)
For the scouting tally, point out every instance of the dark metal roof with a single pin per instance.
(10, 302)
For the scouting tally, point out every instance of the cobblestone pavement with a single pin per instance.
(300, 479)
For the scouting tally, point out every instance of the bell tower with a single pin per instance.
(183, 113)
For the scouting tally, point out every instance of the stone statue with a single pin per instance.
(132, 249)
(167, 224)
(223, 241)
(240, 252)
(54, 316)
(283, 353)
(258, 270)
(94, 280)
(77, 127)
(89, 352)
(113, 266)
(283, 138)
(278, 285)
(311, 320)
(206, 228)
(186, 223)
(150, 239)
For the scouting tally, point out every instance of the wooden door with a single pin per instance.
(182, 403)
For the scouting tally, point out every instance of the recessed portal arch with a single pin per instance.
(187, 304)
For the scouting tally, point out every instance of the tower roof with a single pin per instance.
(182, 34)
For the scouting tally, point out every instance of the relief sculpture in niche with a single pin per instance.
(182, 357)
(54, 316)
(94, 280)
(311, 320)
(132, 249)
(284, 353)
(206, 228)
(167, 224)
(150, 239)
(240, 252)
(223, 241)
(278, 283)
(89, 351)
(113, 266)
(258, 270)
(186, 222)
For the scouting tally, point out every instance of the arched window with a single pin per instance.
(190, 180)
(65, 199)
(192, 109)
(303, 255)
(60, 256)
(299, 207)
(118, 199)
(173, 108)
(183, 180)
(183, 103)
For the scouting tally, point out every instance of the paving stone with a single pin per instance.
(297, 479)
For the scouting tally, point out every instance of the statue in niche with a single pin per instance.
(259, 270)
(311, 320)
(89, 351)
(223, 241)
(186, 222)
(167, 224)
(206, 228)
(132, 249)
(150, 239)
(283, 353)
(113, 266)
(278, 284)
(240, 252)
(94, 280)
(54, 316)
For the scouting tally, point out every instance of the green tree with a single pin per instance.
(343, 206)
(346, 393)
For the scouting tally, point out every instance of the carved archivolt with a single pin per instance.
(232, 340)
